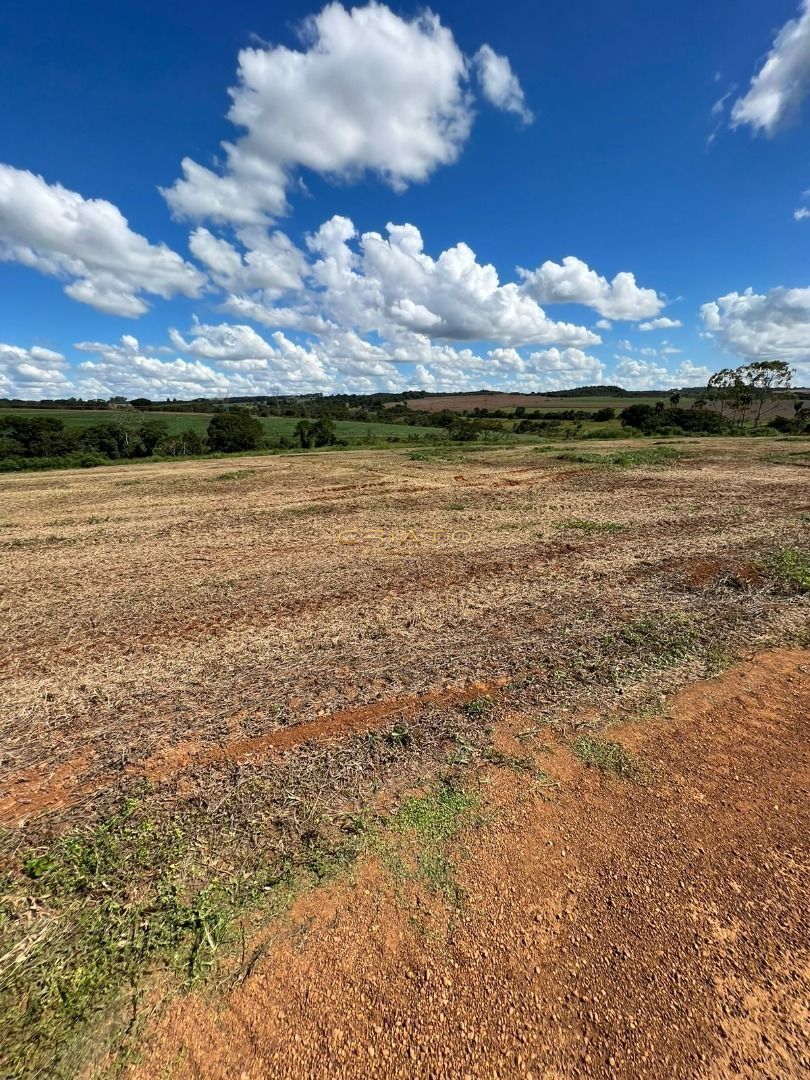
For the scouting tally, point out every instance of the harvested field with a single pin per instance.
(461, 402)
(504, 400)
(224, 689)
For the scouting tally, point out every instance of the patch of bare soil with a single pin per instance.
(651, 929)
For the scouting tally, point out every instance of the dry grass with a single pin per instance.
(200, 612)
(166, 622)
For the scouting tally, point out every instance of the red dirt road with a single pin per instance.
(614, 929)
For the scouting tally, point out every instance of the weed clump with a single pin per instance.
(584, 525)
(607, 757)
(430, 822)
(234, 474)
(478, 707)
(790, 567)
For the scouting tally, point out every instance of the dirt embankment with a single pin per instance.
(614, 929)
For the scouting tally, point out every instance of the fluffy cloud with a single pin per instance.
(370, 92)
(225, 359)
(775, 326)
(635, 374)
(561, 368)
(779, 87)
(272, 263)
(573, 282)
(661, 324)
(31, 373)
(802, 213)
(342, 355)
(689, 374)
(241, 348)
(388, 285)
(128, 369)
(444, 369)
(499, 83)
(88, 243)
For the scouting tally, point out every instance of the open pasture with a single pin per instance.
(274, 426)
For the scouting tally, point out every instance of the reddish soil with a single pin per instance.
(704, 573)
(613, 929)
(37, 790)
(337, 725)
(42, 788)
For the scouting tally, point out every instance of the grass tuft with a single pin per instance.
(235, 474)
(432, 821)
(584, 525)
(478, 707)
(607, 757)
(790, 567)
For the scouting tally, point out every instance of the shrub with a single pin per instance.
(79, 460)
(34, 437)
(230, 432)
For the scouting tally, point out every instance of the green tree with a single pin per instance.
(235, 430)
(35, 436)
(152, 432)
(303, 432)
(112, 440)
(463, 430)
(722, 387)
(763, 380)
(323, 432)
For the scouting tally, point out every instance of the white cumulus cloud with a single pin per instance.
(89, 244)
(369, 92)
(752, 326)
(31, 373)
(781, 84)
(689, 374)
(390, 286)
(635, 374)
(573, 282)
(499, 83)
(661, 324)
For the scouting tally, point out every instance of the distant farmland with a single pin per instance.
(462, 402)
(274, 426)
(459, 402)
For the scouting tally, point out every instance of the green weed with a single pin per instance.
(585, 525)
(85, 919)
(666, 640)
(790, 567)
(235, 474)
(432, 821)
(478, 707)
(607, 757)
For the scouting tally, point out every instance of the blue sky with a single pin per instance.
(525, 156)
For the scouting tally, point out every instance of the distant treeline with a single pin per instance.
(386, 407)
(45, 442)
(735, 401)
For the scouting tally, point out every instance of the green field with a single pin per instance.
(274, 426)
